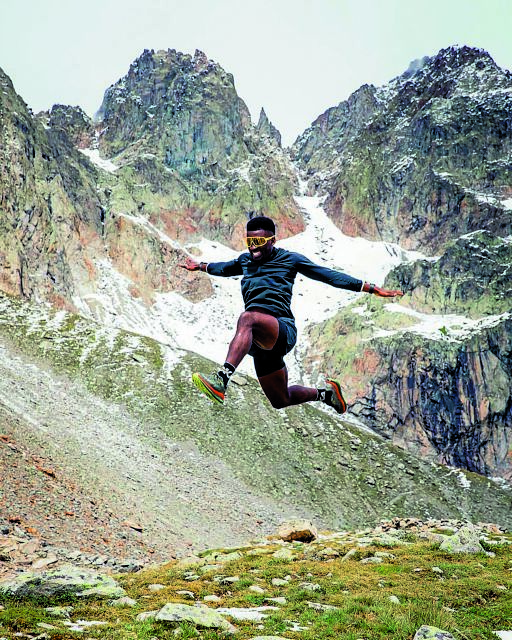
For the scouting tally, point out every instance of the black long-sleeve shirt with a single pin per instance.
(268, 284)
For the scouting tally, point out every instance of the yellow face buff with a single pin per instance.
(257, 242)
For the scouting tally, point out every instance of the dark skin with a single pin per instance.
(263, 329)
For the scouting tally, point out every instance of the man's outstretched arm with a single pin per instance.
(192, 265)
(382, 293)
(338, 278)
(223, 269)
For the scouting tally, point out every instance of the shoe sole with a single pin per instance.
(217, 397)
(339, 396)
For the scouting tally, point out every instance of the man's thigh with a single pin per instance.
(265, 330)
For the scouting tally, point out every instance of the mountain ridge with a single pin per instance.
(102, 216)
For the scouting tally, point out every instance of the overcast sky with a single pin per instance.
(295, 58)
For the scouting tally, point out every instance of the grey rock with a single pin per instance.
(124, 602)
(318, 606)
(302, 530)
(190, 561)
(202, 617)
(254, 614)
(384, 554)
(350, 554)
(279, 582)
(284, 554)
(432, 633)
(310, 586)
(59, 612)
(66, 580)
(256, 589)
(466, 540)
(212, 598)
(279, 600)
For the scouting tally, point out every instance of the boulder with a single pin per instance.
(466, 540)
(301, 530)
(432, 633)
(254, 614)
(65, 581)
(202, 617)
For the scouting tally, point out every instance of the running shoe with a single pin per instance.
(212, 386)
(335, 399)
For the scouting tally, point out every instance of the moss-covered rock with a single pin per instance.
(473, 276)
(67, 581)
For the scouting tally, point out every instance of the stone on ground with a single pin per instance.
(301, 530)
(202, 617)
(67, 580)
(432, 633)
(466, 540)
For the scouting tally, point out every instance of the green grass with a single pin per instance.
(470, 599)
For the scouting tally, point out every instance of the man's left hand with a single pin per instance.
(388, 293)
(382, 293)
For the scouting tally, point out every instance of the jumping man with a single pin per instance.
(266, 329)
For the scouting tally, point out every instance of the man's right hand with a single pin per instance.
(190, 265)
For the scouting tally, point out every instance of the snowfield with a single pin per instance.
(207, 327)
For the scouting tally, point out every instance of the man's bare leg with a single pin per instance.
(253, 326)
(275, 387)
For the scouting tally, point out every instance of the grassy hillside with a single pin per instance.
(313, 461)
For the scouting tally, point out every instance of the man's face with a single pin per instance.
(264, 251)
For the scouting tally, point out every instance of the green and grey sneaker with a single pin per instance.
(335, 398)
(212, 386)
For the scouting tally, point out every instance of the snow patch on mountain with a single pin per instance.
(207, 327)
(450, 327)
(102, 163)
(144, 222)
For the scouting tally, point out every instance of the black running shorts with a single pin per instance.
(270, 360)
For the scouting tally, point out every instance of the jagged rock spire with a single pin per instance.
(267, 128)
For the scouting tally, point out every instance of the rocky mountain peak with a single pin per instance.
(454, 57)
(265, 127)
(454, 71)
(74, 122)
(164, 92)
(200, 60)
(438, 136)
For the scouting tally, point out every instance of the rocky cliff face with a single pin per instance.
(51, 213)
(176, 125)
(473, 277)
(188, 164)
(441, 391)
(422, 159)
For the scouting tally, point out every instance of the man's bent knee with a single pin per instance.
(247, 318)
(279, 403)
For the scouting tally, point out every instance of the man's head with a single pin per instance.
(260, 237)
